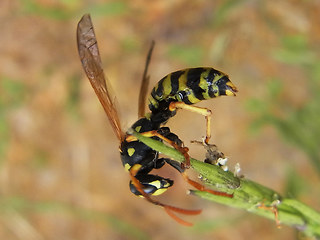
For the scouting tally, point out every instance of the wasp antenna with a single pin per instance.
(145, 83)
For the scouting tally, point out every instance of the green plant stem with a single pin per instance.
(247, 194)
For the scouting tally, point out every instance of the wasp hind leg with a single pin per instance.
(193, 183)
(138, 187)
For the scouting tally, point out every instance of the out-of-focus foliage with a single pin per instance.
(65, 9)
(299, 125)
(61, 175)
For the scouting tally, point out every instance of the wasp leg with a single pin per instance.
(273, 208)
(173, 143)
(203, 111)
(203, 188)
(169, 209)
(174, 164)
(195, 184)
(165, 131)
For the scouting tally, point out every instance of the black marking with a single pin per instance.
(193, 82)
(147, 182)
(159, 92)
(212, 92)
(221, 83)
(212, 74)
(175, 76)
(145, 125)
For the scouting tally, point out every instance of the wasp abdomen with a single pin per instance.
(190, 86)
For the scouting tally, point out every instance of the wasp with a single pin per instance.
(177, 90)
(183, 88)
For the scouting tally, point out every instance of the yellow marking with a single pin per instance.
(233, 87)
(166, 85)
(138, 128)
(230, 93)
(148, 115)
(134, 169)
(159, 191)
(156, 183)
(182, 85)
(216, 78)
(192, 98)
(183, 81)
(230, 84)
(204, 84)
(127, 167)
(148, 134)
(217, 92)
(153, 102)
(156, 87)
(131, 138)
(131, 151)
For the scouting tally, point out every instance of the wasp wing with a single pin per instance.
(91, 63)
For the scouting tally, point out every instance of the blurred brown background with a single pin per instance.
(60, 170)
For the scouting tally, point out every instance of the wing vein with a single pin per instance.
(91, 63)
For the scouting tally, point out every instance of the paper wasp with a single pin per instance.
(185, 86)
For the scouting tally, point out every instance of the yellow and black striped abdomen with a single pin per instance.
(190, 86)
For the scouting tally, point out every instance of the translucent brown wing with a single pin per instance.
(144, 84)
(91, 63)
